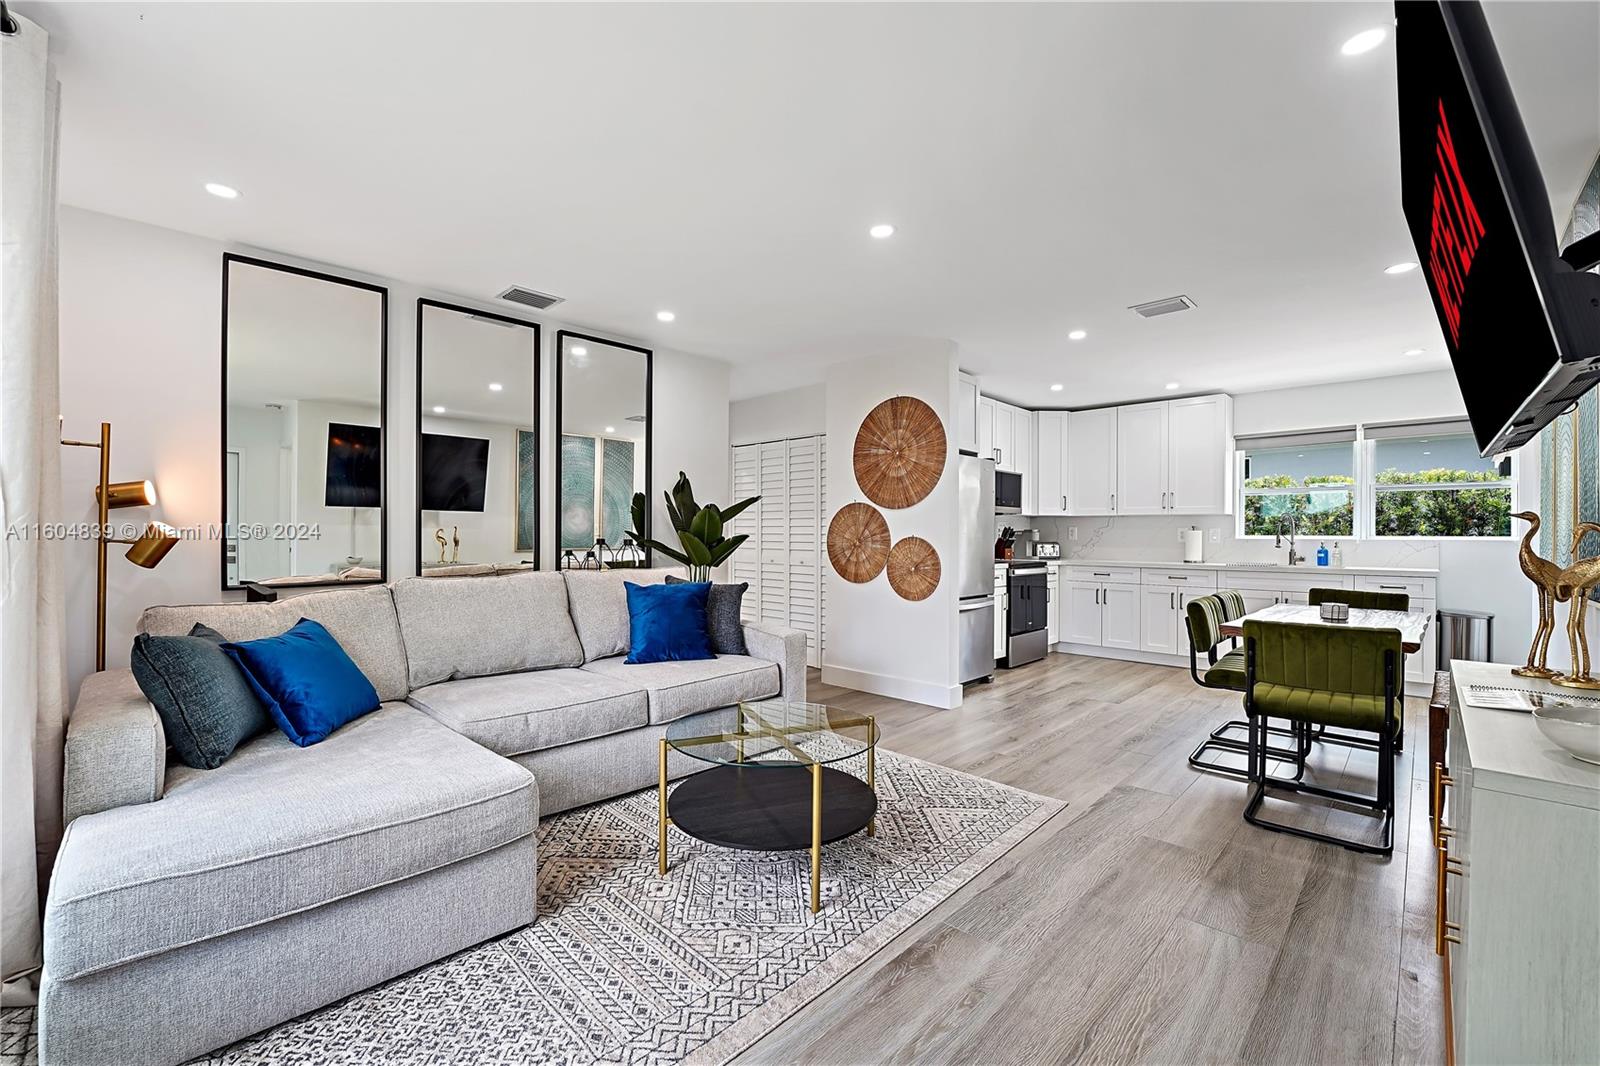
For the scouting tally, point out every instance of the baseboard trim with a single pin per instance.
(945, 697)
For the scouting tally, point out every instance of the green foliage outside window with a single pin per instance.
(1326, 513)
(1442, 512)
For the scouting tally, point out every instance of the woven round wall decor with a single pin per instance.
(913, 568)
(858, 542)
(900, 452)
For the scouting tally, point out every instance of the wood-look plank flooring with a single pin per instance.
(1148, 922)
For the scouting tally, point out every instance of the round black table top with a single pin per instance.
(767, 809)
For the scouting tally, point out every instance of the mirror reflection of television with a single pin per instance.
(1522, 326)
(452, 472)
(355, 466)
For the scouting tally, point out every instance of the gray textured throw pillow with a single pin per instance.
(722, 616)
(206, 706)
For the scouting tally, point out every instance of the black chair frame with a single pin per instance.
(1219, 740)
(1383, 802)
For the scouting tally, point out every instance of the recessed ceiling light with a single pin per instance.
(227, 192)
(1400, 268)
(495, 386)
(665, 316)
(881, 231)
(1172, 386)
(1427, 453)
(1057, 387)
(611, 429)
(438, 410)
(580, 351)
(1365, 41)
(1413, 351)
(1077, 335)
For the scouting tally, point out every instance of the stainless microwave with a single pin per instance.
(1007, 492)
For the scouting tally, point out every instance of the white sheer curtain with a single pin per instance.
(32, 683)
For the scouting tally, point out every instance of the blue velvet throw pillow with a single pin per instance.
(667, 623)
(306, 681)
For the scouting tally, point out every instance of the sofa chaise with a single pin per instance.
(191, 908)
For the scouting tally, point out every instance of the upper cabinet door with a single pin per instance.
(966, 413)
(1026, 462)
(1142, 436)
(1005, 452)
(1091, 461)
(986, 444)
(1200, 455)
(1050, 475)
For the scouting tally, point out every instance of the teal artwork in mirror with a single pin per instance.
(603, 408)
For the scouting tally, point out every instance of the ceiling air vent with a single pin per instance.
(530, 298)
(1162, 307)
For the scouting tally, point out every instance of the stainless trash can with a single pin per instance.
(1464, 635)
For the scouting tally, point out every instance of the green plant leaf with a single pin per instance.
(683, 496)
(721, 552)
(671, 553)
(732, 511)
(699, 554)
(707, 525)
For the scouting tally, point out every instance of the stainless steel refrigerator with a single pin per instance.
(975, 610)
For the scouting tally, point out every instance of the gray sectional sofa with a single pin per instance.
(190, 908)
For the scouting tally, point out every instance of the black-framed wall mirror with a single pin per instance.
(478, 448)
(304, 383)
(603, 418)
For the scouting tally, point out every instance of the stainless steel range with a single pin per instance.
(1027, 612)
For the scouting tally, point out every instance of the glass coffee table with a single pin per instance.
(772, 785)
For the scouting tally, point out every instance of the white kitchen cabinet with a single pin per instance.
(1158, 620)
(1120, 608)
(1049, 465)
(1081, 617)
(1022, 446)
(1005, 452)
(985, 428)
(967, 413)
(1053, 615)
(1001, 601)
(1199, 474)
(1142, 453)
(1090, 461)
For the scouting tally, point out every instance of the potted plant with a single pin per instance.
(699, 529)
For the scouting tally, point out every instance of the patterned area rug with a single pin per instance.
(625, 966)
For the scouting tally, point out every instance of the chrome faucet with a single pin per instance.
(1293, 524)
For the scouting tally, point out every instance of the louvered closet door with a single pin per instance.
(773, 527)
(746, 562)
(804, 520)
(814, 651)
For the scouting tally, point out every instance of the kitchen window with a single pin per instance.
(1428, 481)
(1309, 478)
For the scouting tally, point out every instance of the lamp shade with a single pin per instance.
(129, 494)
(153, 545)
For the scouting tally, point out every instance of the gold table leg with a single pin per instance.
(872, 745)
(661, 864)
(816, 837)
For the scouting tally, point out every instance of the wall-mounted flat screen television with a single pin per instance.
(452, 472)
(355, 466)
(1522, 326)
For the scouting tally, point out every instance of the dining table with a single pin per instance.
(1413, 625)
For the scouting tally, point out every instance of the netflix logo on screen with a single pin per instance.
(1456, 230)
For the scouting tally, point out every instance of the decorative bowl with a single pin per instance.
(1573, 727)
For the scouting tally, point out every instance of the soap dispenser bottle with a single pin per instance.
(1338, 556)
(1322, 554)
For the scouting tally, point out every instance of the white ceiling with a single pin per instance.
(1047, 165)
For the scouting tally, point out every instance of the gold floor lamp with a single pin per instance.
(148, 549)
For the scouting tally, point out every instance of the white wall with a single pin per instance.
(876, 641)
(798, 412)
(140, 348)
(1483, 576)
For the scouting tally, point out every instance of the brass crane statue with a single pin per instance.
(1577, 581)
(1546, 577)
(438, 535)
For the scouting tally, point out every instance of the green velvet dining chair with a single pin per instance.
(1309, 676)
(1363, 600)
(1204, 619)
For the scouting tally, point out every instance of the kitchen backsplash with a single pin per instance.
(1155, 538)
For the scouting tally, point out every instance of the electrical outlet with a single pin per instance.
(1216, 536)
(1180, 536)
(1072, 532)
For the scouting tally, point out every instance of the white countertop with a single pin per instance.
(1509, 753)
(1303, 568)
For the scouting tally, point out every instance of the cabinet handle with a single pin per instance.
(1444, 928)
(1441, 781)
(1398, 588)
(1172, 601)
(1113, 501)
(1063, 503)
